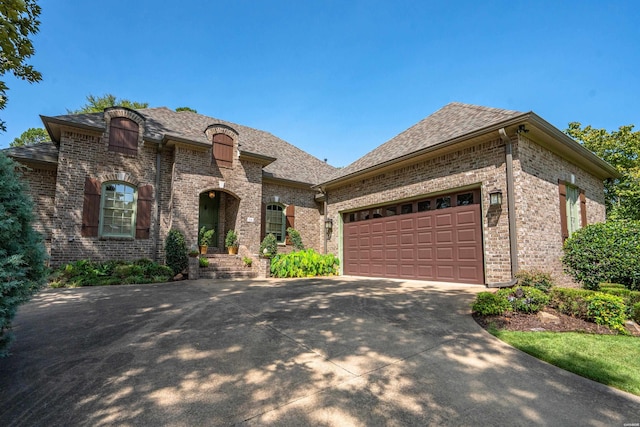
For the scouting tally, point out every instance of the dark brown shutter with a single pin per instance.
(263, 221)
(583, 209)
(223, 150)
(123, 135)
(290, 214)
(143, 216)
(91, 208)
(562, 188)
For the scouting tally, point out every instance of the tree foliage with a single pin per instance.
(18, 21)
(97, 104)
(186, 109)
(22, 253)
(175, 249)
(31, 136)
(621, 149)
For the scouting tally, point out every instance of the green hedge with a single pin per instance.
(605, 252)
(307, 263)
(489, 303)
(525, 299)
(572, 302)
(90, 273)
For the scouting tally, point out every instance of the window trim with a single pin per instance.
(134, 213)
(283, 230)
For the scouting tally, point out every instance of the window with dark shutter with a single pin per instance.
(91, 208)
(123, 136)
(223, 150)
(118, 210)
(143, 217)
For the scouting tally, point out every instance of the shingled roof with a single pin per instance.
(451, 121)
(44, 152)
(291, 163)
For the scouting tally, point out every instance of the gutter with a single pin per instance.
(511, 206)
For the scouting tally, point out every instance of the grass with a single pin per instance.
(609, 359)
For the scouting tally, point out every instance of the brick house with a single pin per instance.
(470, 194)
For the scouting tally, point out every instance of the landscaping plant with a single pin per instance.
(175, 249)
(22, 253)
(525, 299)
(91, 273)
(306, 263)
(269, 246)
(203, 262)
(296, 239)
(605, 252)
(489, 303)
(608, 310)
(538, 279)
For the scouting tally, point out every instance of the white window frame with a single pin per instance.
(270, 223)
(109, 208)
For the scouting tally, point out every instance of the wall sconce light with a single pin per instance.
(495, 197)
(212, 194)
(328, 226)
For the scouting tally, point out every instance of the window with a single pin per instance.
(443, 202)
(275, 222)
(118, 210)
(406, 209)
(223, 150)
(464, 199)
(123, 136)
(573, 208)
(424, 205)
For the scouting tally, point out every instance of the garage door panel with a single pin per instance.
(443, 245)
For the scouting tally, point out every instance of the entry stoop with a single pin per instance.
(224, 266)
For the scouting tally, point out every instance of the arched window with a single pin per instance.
(123, 135)
(118, 210)
(275, 221)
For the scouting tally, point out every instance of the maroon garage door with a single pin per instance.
(443, 244)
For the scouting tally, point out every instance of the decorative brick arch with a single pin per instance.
(217, 128)
(119, 176)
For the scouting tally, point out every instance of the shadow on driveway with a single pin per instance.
(340, 351)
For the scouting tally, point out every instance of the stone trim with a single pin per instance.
(119, 176)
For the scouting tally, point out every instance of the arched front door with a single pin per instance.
(209, 214)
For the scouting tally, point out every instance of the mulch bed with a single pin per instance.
(556, 322)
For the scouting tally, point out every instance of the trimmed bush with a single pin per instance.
(175, 249)
(572, 302)
(630, 297)
(635, 312)
(270, 244)
(22, 253)
(306, 263)
(525, 299)
(605, 252)
(608, 310)
(296, 239)
(489, 303)
(538, 279)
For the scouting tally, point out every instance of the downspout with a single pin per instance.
(156, 234)
(511, 205)
(324, 230)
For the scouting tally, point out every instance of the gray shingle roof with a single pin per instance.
(451, 121)
(45, 152)
(291, 162)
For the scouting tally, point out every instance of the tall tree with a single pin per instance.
(186, 109)
(18, 21)
(621, 149)
(97, 104)
(31, 136)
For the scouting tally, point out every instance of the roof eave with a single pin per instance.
(53, 127)
(256, 158)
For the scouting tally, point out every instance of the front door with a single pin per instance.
(209, 209)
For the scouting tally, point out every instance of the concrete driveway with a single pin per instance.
(327, 352)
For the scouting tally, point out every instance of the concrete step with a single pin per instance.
(229, 274)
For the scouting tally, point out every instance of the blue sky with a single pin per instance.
(337, 78)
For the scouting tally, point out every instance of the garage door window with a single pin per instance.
(443, 202)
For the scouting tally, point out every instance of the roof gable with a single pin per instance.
(451, 121)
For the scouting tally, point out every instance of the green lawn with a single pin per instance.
(613, 360)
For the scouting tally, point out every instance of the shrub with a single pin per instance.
(306, 263)
(572, 302)
(488, 303)
(635, 312)
(22, 253)
(270, 244)
(90, 273)
(608, 310)
(525, 298)
(296, 239)
(538, 279)
(231, 239)
(630, 297)
(204, 262)
(247, 261)
(205, 236)
(175, 249)
(605, 252)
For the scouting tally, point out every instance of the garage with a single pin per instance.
(435, 238)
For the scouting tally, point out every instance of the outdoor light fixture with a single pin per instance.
(212, 194)
(495, 197)
(328, 226)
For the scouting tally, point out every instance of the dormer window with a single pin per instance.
(123, 136)
(223, 150)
